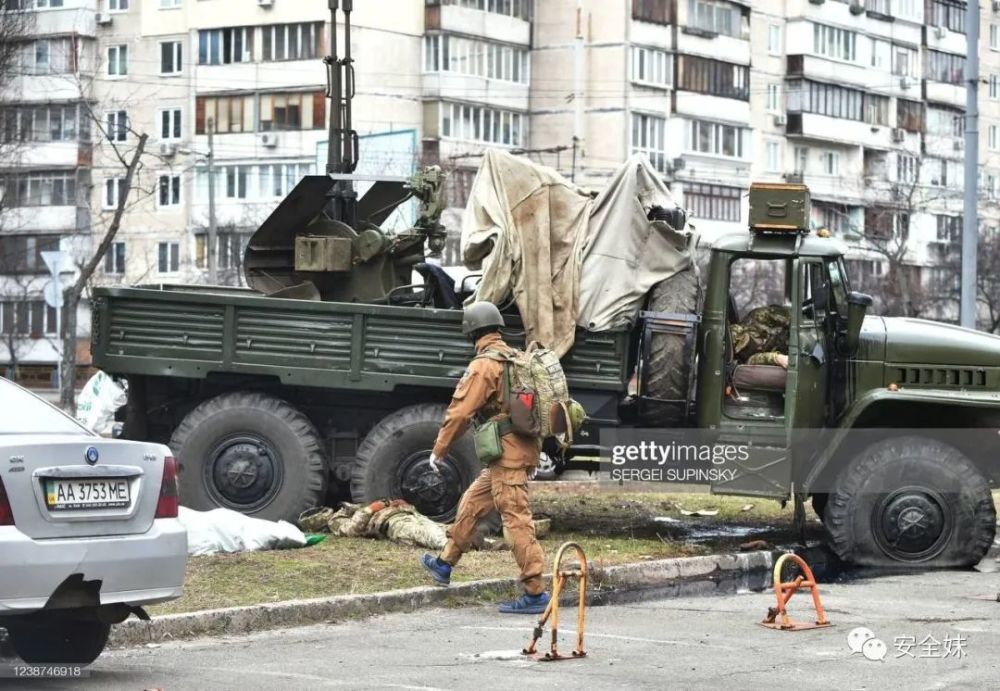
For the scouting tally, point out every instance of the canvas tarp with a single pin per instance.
(564, 257)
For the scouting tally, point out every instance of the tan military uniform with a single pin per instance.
(504, 484)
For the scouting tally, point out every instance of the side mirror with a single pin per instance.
(857, 306)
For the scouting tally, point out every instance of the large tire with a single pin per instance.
(667, 370)
(392, 462)
(66, 641)
(911, 501)
(252, 453)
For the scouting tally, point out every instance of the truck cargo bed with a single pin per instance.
(179, 331)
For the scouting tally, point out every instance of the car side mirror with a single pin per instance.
(857, 307)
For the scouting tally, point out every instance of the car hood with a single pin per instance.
(919, 341)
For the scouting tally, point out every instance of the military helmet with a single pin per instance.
(481, 315)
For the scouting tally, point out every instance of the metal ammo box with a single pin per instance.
(779, 207)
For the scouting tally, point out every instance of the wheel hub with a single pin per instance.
(913, 523)
(435, 495)
(243, 473)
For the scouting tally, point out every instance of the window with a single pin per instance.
(949, 14)
(31, 318)
(227, 113)
(801, 159)
(774, 98)
(277, 180)
(40, 188)
(837, 101)
(879, 8)
(717, 17)
(906, 168)
(831, 163)
(945, 67)
(717, 138)
(32, 4)
(908, 9)
(225, 46)
(773, 150)
(445, 53)
(882, 223)
(945, 122)
(656, 11)
(170, 57)
(910, 115)
(117, 61)
(648, 138)
(476, 123)
(712, 202)
(832, 42)
(994, 86)
(22, 254)
(117, 5)
(881, 54)
(169, 257)
(114, 188)
(937, 171)
(774, 39)
(519, 9)
(834, 217)
(47, 56)
(991, 138)
(296, 111)
(228, 250)
(114, 259)
(236, 181)
(707, 76)
(168, 4)
(117, 126)
(949, 229)
(905, 61)
(169, 190)
(170, 123)
(651, 66)
(47, 123)
(292, 41)
(994, 37)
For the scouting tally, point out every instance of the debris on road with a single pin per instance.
(702, 513)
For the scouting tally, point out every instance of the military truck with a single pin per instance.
(269, 401)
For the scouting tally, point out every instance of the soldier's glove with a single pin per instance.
(435, 463)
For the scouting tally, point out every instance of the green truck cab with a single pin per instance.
(272, 403)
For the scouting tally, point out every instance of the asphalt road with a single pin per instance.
(935, 637)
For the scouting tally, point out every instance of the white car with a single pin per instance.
(88, 531)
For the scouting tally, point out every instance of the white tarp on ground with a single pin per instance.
(225, 530)
(565, 257)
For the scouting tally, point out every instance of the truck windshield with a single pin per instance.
(838, 286)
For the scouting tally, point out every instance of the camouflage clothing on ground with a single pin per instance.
(763, 332)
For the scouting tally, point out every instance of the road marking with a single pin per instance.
(571, 632)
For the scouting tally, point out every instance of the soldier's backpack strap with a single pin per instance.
(503, 417)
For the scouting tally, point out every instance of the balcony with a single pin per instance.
(55, 219)
(951, 94)
(697, 42)
(491, 92)
(843, 131)
(470, 22)
(56, 155)
(264, 76)
(62, 22)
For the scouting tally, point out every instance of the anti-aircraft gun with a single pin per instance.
(323, 243)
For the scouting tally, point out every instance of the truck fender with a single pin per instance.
(877, 397)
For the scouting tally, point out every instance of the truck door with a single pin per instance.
(809, 351)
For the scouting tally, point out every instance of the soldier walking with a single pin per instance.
(503, 484)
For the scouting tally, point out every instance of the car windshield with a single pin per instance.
(22, 412)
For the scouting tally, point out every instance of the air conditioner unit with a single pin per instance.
(857, 7)
(959, 144)
(780, 120)
(269, 139)
(939, 31)
(898, 134)
(795, 177)
(905, 82)
(168, 148)
(265, 3)
(677, 164)
(103, 18)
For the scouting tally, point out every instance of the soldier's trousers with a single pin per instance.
(505, 489)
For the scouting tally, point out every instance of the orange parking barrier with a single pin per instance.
(784, 591)
(559, 577)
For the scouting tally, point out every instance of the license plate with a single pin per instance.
(66, 495)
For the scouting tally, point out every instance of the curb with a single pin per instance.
(242, 620)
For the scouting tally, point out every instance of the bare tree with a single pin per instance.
(988, 279)
(130, 161)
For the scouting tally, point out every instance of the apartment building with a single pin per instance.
(46, 159)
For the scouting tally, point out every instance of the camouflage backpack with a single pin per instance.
(536, 394)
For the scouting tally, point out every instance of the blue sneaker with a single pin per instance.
(440, 572)
(526, 604)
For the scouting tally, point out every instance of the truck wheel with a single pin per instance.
(911, 501)
(392, 463)
(252, 453)
(59, 641)
(668, 372)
